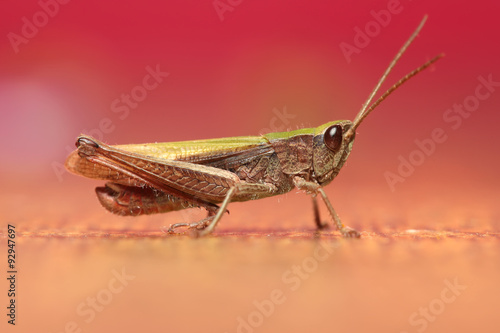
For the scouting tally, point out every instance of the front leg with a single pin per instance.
(317, 218)
(207, 225)
(202, 224)
(313, 189)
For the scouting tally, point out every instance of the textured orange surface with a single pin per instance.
(429, 256)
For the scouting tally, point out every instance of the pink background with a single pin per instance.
(226, 77)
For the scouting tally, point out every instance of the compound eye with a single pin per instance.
(333, 137)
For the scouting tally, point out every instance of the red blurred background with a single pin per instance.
(233, 71)
(227, 76)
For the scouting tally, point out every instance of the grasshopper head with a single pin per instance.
(333, 141)
(332, 144)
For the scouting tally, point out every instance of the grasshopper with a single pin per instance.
(163, 177)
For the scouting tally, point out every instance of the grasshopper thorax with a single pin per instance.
(333, 141)
(332, 144)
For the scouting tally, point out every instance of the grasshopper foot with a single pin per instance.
(200, 225)
(348, 232)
